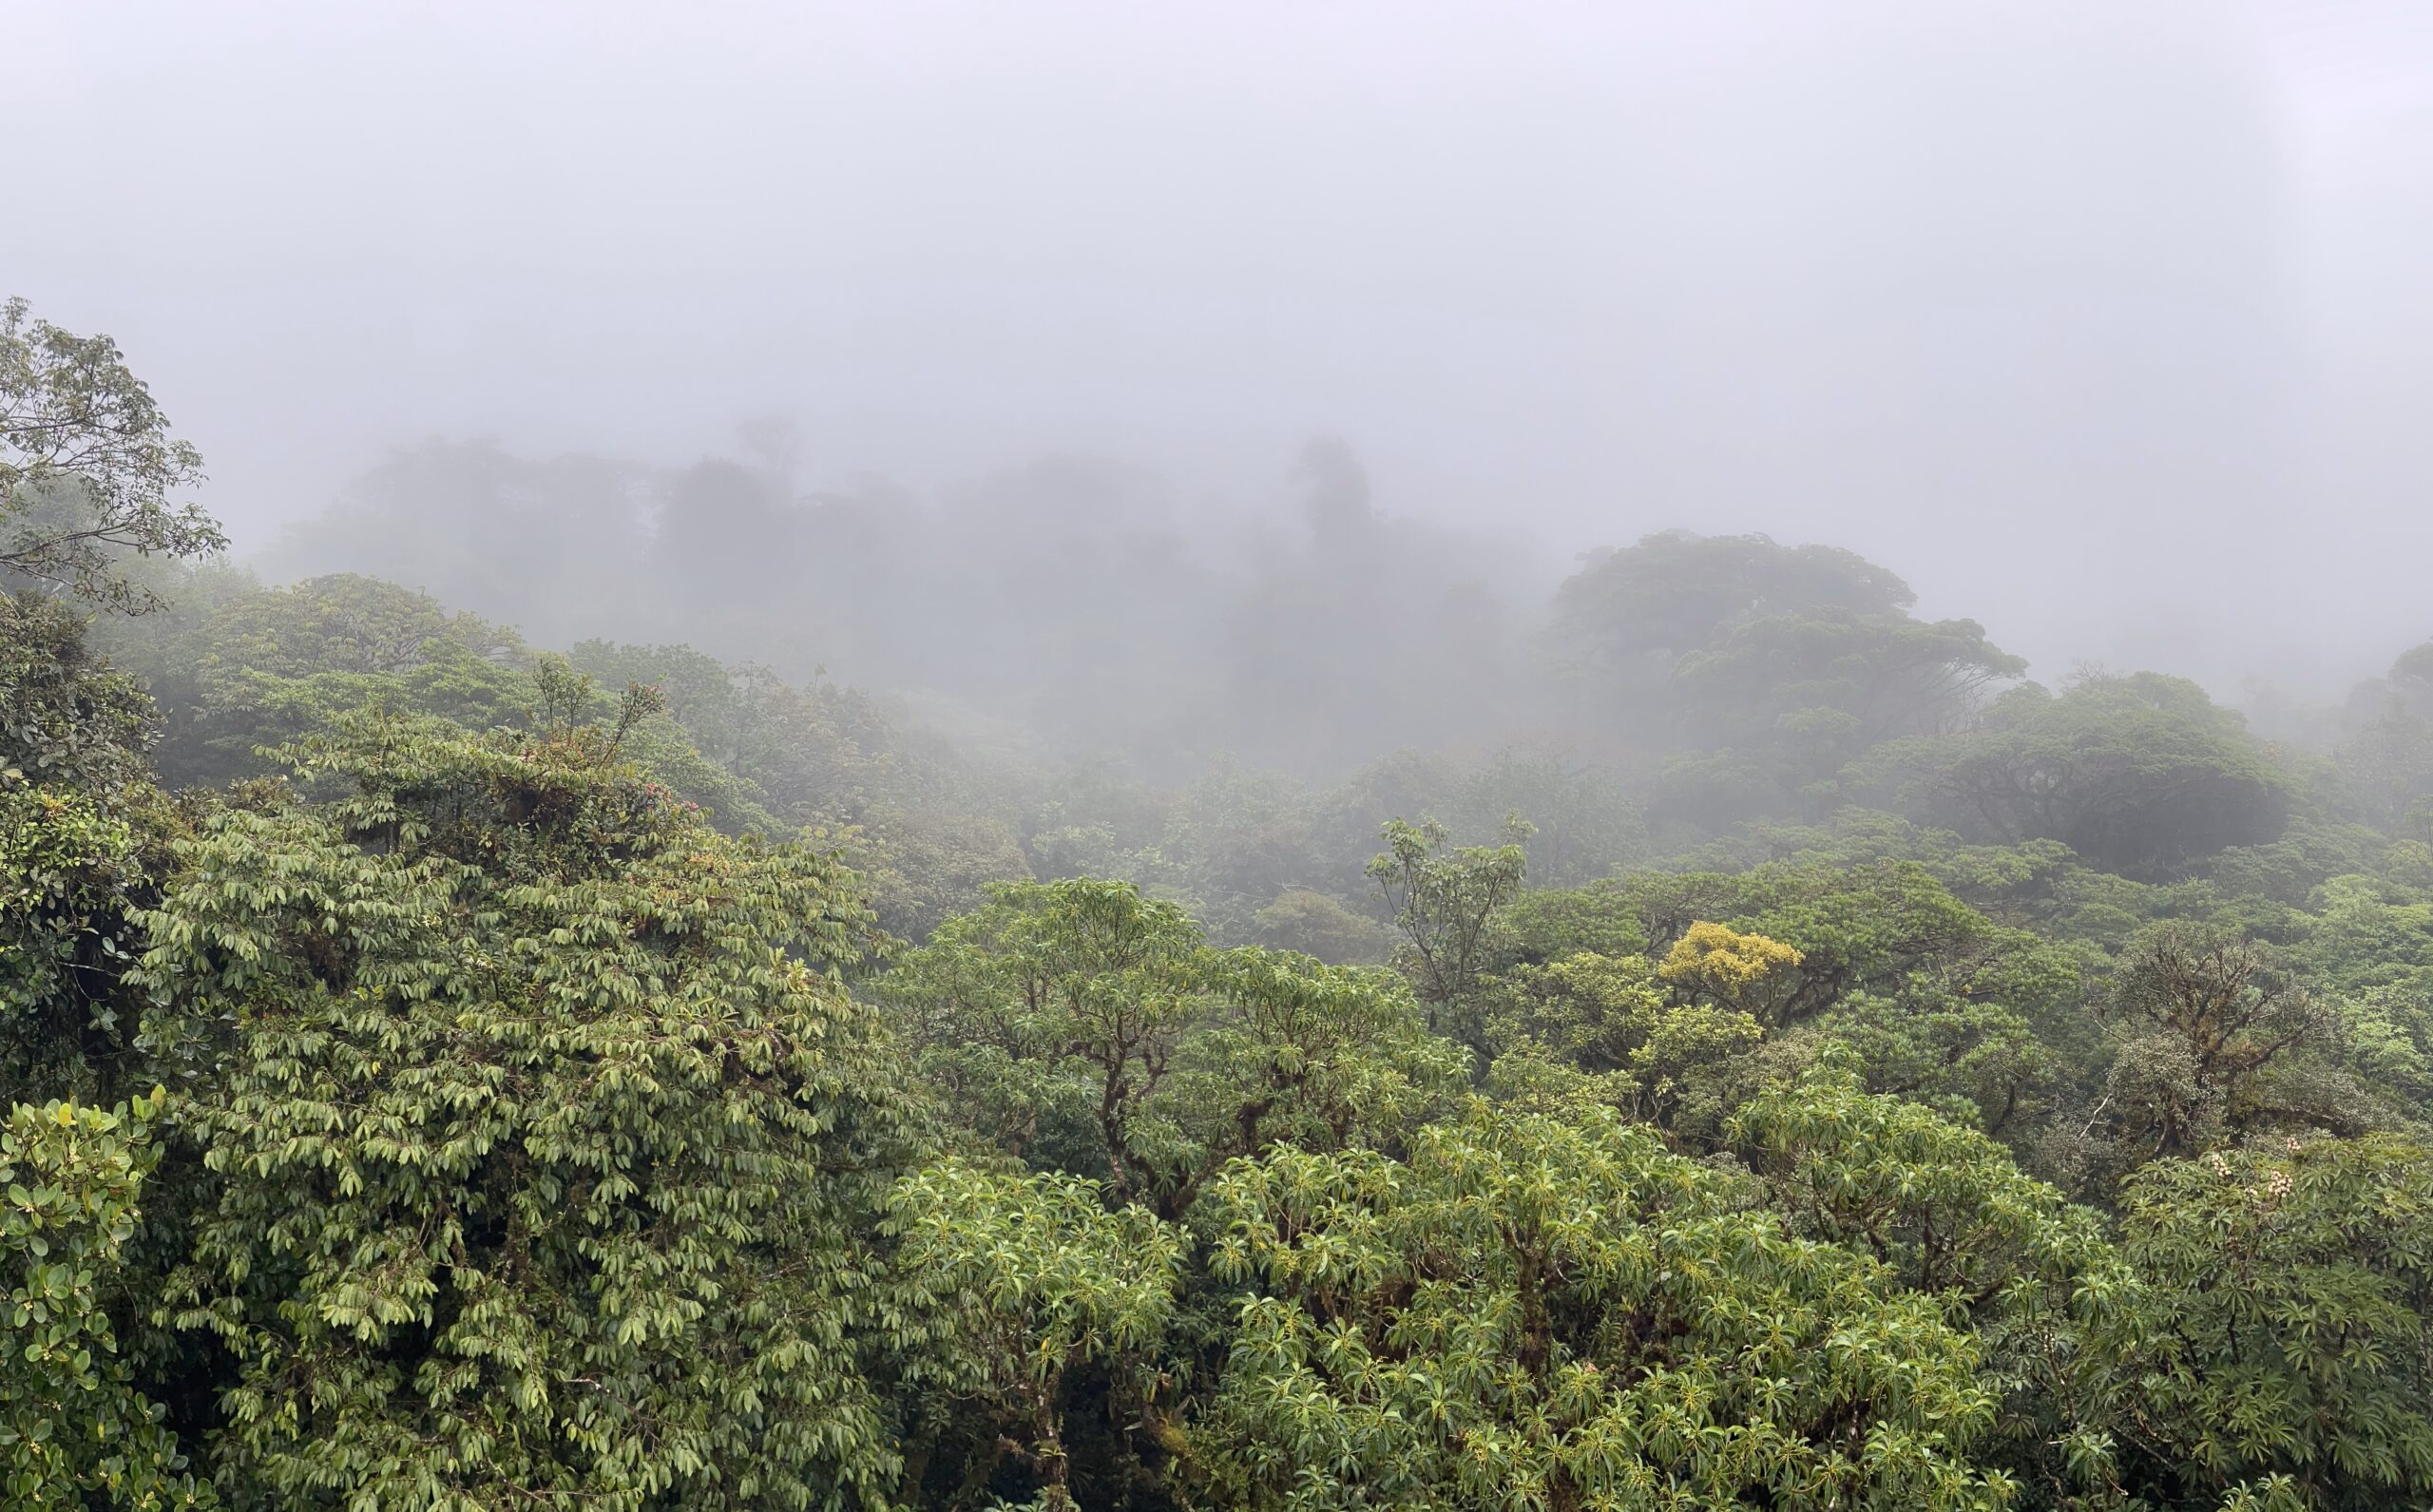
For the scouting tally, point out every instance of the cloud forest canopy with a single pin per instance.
(618, 988)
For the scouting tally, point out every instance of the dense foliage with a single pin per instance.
(446, 1073)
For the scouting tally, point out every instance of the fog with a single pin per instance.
(2107, 326)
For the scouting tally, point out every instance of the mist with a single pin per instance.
(2103, 326)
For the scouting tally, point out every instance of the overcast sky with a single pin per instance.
(2109, 324)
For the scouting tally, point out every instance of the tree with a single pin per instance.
(1794, 697)
(87, 466)
(817, 755)
(1086, 1029)
(1747, 973)
(1542, 925)
(2288, 1331)
(75, 1431)
(1648, 1038)
(1547, 1312)
(543, 1150)
(1629, 616)
(1015, 1282)
(266, 666)
(344, 623)
(2037, 1280)
(1885, 926)
(2140, 774)
(1884, 676)
(1050, 1019)
(1234, 840)
(1443, 899)
(2218, 1039)
(1314, 924)
(1292, 1051)
(83, 838)
(1611, 1019)
(1895, 976)
(924, 868)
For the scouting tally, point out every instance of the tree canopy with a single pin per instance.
(612, 1063)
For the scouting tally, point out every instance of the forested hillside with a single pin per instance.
(571, 985)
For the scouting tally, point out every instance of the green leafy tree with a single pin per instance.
(926, 867)
(87, 467)
(769, 754)
(262, 668)
(1292, 1051)
(1884, 675)
(1874, 928)
(1931, 997)
(345, 624)
(1016, 1282)
(84, 834)
(1087, 1027)
(1050, 1019)
(265, 666)
(1612, 1019)
(1648, 1038)
(1554, 1312)
(2036, 1280)
(544, 1148)
(2368, 931)
(1444, 897)
(1234, 840)
(2385, 759)
(2288, 1341)
(2388, 767)
(75, 1431)
(1542, 925)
